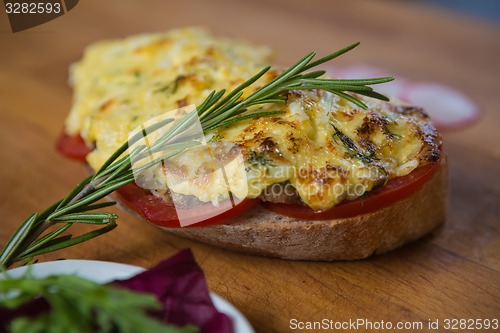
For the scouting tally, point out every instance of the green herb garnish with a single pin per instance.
(259, 159)
(80, 305)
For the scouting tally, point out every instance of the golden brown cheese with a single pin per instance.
(329, 151)
(120, 84)
(324, 147)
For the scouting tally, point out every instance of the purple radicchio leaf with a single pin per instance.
(179, 284)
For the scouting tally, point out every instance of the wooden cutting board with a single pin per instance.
(454, 273)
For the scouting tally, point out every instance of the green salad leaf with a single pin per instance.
(80, 305)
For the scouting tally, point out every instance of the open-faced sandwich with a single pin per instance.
(324, 175)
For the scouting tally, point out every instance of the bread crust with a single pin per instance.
(266, 233)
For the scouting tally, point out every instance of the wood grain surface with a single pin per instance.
(454, 273)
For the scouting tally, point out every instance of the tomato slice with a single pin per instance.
(395, 190)
(156, 211)
(72, 146)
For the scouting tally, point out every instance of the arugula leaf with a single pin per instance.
(79, 305)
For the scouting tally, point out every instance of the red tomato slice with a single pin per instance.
(156, 211)
(395, 189)
(72, 146)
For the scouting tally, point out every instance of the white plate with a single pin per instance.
(103, 272)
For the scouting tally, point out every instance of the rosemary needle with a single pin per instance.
(32, 238)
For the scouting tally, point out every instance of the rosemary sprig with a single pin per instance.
(219, 109)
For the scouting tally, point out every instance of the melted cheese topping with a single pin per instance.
(120, 84)
(322, 146)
